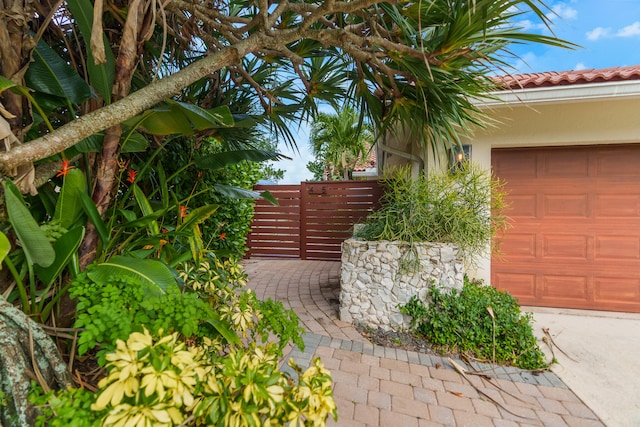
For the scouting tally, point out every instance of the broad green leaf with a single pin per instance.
(146, 209)
(147, 270)
(134, 142)
(90, 144)
(92, 212)
(162, 183)
(205, 119)
(101, 75)
(49, 73)
(224, 330)
(34, 242)
(196, 216)
(179, 118)
(269, 198)
(242, 193)
(164, 121)
(69, 207)
(5, 247)
(226, 158)
(65, 247)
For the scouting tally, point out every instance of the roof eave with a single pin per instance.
(562, 94)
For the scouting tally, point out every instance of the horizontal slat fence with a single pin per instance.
(329, 211)
(275, 230)
(326, 213)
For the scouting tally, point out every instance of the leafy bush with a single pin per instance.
(210, 304)
(71, 407)
(182, 361)
(219, 282)
(112, 310)
(164, 382)
(464, 208)
(481, 321)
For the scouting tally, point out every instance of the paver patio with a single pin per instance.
(382, 386)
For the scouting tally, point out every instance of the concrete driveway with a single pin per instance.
(602, 360)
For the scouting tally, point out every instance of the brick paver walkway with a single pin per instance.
(382, 386)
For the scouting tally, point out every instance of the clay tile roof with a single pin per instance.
(369, 162)
(572, 77)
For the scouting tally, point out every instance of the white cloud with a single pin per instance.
(598, 33)
(630, 30)
(528, 25)
(558, 11)
(563, 11)
(580, 66)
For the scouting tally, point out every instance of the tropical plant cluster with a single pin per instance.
(228, 187)
(152, 273)
(464, 207)
(479, 321)
(205, 353)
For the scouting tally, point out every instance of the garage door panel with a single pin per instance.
(565, 164)
(518, 166)
(566, 205)
(520, 285)
(575, 236)
(616, 289)
(617, 205)
(619, 162)
(522, 206)
(558, 287)
(565, 246)
(520, 245)
(613, 248)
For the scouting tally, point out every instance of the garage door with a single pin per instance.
(575, 240)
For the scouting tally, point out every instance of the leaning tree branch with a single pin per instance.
(139, 101)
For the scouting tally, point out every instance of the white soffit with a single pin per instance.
(563, 94)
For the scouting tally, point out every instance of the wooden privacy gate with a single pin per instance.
(312, 219)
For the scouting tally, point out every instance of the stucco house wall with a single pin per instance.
(547, 109)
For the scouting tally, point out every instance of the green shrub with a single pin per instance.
(165, 382)
(464, 208)
(66, 408)
(171, 369)
(463, 322)
(111, 310)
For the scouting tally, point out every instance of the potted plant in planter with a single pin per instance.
(426, 231)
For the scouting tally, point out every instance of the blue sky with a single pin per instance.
(608, 32)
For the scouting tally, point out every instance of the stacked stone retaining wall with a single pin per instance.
(378, 277)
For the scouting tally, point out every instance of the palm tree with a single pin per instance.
(340, 140)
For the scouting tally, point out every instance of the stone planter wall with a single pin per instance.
(374, 284)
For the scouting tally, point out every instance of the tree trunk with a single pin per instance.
(26, 353)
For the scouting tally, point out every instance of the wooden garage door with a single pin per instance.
(575, 240)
